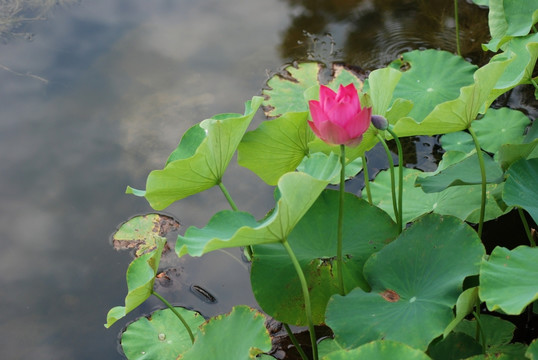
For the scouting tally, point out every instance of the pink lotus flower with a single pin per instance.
(338, 118)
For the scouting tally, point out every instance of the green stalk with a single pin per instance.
(295, 342)
(392, 182)
(483, 174)
(366, 179)
(480, 337)
(227, 196)
(168, 305)
(400, 177)
(306, 296)
(234, 208)
(526, 226)
(339, 250)
(456, 17)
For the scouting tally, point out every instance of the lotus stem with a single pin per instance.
(306, 296)
(295, 342)
(392, 182)
(339, 250)
(526, 226)
(227, 196)
(400, 177)
(483, 174)
(480, 336)
(168, 305)
(456, 18)
(248, 248)
(366, 179)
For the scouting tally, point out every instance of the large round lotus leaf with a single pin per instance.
(521, 188)
(160, 336)
(455, 346)
(379, 350)
(415, 282)
(532, 351)
(431, 77)
(285, 91)
(509, 279)
(274, 280)
(239, 335)
(460, 201)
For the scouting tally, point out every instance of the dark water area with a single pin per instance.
(96, 94)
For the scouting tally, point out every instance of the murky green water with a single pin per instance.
(101, 94)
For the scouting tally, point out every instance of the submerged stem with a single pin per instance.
(483, 174)
(339, 250)
(456, 17)
(306, 296)
(168, 305)
(526, 226)
(295, 342)
(400, 177)
(366, 179)
(392, 183)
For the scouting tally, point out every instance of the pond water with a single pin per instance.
(95, 94)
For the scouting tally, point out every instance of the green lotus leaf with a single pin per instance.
(200, 160)
(380, 87)
(327, 346)
(140, 278)
(239, 335)
(464, 172)
(521, 188)
(141, 232)
(276, 147)
(519, 71)
(379, 350)
(481, 2)
(458, 141)
(297, 190)
(455, 346)
(160, 335)
(456, 115)
(431, 77)
(415, 282)
(274, 280)
(464, 306)
(511, 153)
(285, 91)
(461, 201)
(509, 18)
(497, 332)
(311, 164)
(532, 351)
(508, 280)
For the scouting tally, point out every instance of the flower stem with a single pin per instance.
(234, 208)
(456, 18)
(227, 196)
(400, 177)
(526, 226)
(392, 183)
(168, 305)
(295, 342)
(366, 179)
(339, 250)
(483, 174)
(306, 296)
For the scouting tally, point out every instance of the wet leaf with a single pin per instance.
(285, 91)
(425, 267)
(508, 279)
(521, 188)
(140, 279)
(455, 115)
(160, 335)
(298, 191)
(379, 350)
(275, 282)
(239, 335)
(433, 77)
(141, 232)
(200, 160)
